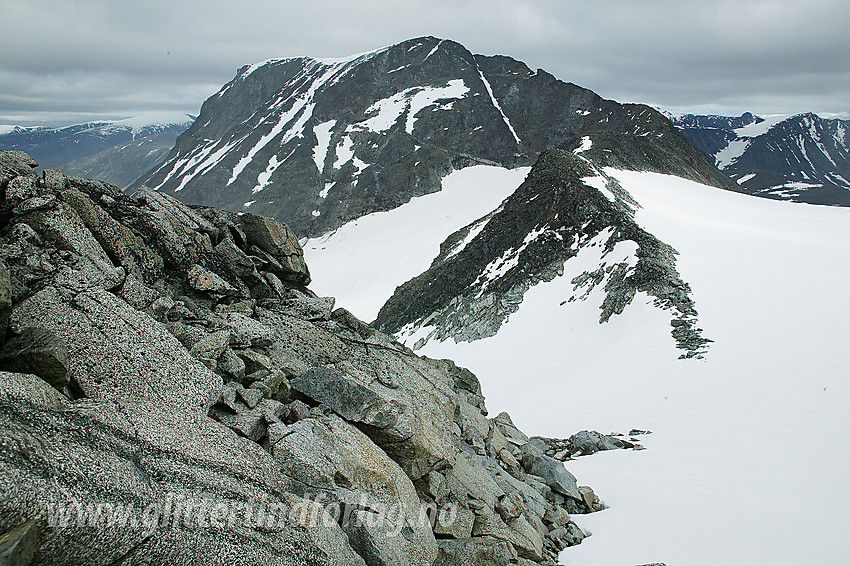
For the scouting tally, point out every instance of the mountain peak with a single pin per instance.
(317, 142)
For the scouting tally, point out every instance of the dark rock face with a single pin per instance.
(803, 158)
(37, 351)
(316, 144)
(472, 287)
(5, 298)
(17, 546)
(213, 410)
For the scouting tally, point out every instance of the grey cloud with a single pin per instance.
(117, 58)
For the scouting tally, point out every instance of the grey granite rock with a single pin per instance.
(307, 308)
(162, 202)
(54, 180)
(509, 506)
(118, 240)
(589, 442)
(14, 164)
(454, 520)
(42, 202)
(280, 242)
(525, 539)
(478, 551)
(63, 227)
(212, 346)
(231, 365)
(249, 423)
(331, 456)
(204, 280)
(506, 426)
(412, 429)
(141, 364)
(134, 458)
(37, 351)
(255, 361)
(247, 332)
(154, 321)
(5, 299)
(20, 189)
(551, 471)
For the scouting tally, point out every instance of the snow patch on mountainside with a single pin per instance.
(736, 148)
(344, 152)
(507, 261)
(841, 135)
(388, 110)
(727, 156)
(768, 278)
(474, 230)
(291, 122)
(265, 177)
(201, 162)
(138, 124)
(380, 251)
(586, 143)
(323, 140)
(498, 106)
(301, 111)
(758, 128)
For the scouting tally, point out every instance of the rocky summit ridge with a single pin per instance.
(172, 391)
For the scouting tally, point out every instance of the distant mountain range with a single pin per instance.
(114, 151)
(802, 157)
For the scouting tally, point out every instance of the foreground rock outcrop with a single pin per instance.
(172, 392)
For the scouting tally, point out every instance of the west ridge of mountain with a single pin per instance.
(317, 143)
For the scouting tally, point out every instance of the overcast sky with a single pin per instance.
(68, 61)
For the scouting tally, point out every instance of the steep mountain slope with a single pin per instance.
(804, 158)
(435, 270)
(320, 142)
(63, 147)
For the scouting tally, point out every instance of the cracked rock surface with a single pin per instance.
(189, 380)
